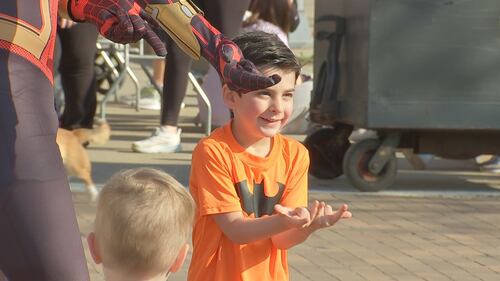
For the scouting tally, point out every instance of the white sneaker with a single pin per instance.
(150, 98)
(160, 142)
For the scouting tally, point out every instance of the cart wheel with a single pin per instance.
(356, 167)
(326, 152)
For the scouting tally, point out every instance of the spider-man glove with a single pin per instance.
(185, 24)
(238, 73)
(121, 21)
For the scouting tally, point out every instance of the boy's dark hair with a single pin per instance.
(267, 50)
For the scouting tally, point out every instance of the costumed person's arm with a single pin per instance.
(125, 21)
(121, 21)
(185, 23)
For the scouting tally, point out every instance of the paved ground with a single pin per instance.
(438, 224)
(390, 238)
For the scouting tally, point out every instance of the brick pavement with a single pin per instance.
(389, 238)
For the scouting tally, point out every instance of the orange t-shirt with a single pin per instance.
(225, 178)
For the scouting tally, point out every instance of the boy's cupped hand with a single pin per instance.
(293, 218)
(322, 214)
(317, 215)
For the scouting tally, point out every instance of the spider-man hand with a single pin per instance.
(185, 23)
(238, 73)
(121, 21)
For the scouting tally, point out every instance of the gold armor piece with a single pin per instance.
(25, 36)
(175, 19)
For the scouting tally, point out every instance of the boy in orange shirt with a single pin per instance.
(249, 182)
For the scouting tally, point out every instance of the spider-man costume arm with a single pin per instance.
(126, 21)
(122, 21)
(185, 23)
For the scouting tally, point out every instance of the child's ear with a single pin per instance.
(180, 259)
(228, 96)
(94, 248)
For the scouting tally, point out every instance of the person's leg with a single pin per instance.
(225, 15)
(174, 85)
(167, 138)
(39, 237)
(159, 71)
(78, 45)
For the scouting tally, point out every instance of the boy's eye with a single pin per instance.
(288, 95)
(263, 93)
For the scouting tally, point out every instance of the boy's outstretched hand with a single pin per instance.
(322, 214)
(294, 218)
(318, 215)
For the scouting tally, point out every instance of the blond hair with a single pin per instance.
(144, 217)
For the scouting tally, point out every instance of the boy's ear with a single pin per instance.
(180, 259)
(228, 96)
(94, 248)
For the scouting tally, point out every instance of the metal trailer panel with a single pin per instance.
(426, 64)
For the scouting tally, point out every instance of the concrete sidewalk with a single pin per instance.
(389, 238)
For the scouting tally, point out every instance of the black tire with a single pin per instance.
(326, 153)
(356, 167)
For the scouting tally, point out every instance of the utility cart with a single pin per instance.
(423, 74)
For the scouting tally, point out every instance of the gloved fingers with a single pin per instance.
(139, 28)
(154, 40)
(230, 52)
(128, 28)
(244, 81)
(111, 30)
(149, 19)
(248, 66)
(152, 35)
(121, 32)
(253, 78)
(276, 78)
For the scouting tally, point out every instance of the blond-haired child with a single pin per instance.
(143, 221)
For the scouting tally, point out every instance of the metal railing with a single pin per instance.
(124, 53)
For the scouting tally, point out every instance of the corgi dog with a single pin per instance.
(75, 158)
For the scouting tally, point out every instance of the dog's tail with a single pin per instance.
(100, 134)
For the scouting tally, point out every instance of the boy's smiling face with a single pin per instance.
(262, 113)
